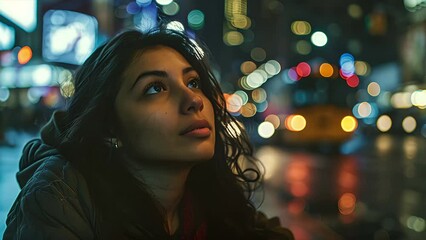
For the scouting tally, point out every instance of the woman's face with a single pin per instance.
(162, 113)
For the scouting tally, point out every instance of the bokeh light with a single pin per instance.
(303, 47)
(326, 70)
(4, 94)
(241, 21)
(233, 38)
(384, 123)
(401, 100)
(295, 123)
(347, 203)
(301, 27)
(373, 89)
(248, 110)
(234, 103)
(24, 55)
(409, 124)
(349, 124)
(319, 39)
(247, 67)
(164, 2)
(272, 67)
(355, 11)
(259, 95)
(274, 119)
(171, 9)
(243, 96)
(353, 81)
(292, 74)
(266, 129)
(196, 19)
(258, 54)
(303, 69)
(418, 98)
(362, 68)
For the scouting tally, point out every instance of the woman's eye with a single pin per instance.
(154, 88)
(194, 83)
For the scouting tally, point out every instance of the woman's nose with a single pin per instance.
(192, 102)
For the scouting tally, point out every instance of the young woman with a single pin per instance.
(145, 150)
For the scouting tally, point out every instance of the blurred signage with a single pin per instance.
(21, 12)
(7, 37)
(68, 37)
(32, 76)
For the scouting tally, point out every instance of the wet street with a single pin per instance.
(374, 190)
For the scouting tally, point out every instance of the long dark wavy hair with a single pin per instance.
(221, 186)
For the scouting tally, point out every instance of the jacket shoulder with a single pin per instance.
(55, 203)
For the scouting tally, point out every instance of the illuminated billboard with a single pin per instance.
(7, 37)
(68, 37)
(23, 13)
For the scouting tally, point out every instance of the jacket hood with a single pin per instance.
(37, 150)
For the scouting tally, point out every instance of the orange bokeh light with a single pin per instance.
(326, 70)
(24, 55)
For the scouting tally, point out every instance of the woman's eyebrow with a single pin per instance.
(187, 70)
(156, 73)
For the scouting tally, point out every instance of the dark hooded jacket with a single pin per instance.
(55, 202)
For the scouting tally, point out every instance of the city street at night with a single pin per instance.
(374, 191)
(330, 93)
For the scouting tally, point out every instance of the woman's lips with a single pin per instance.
(198, 128)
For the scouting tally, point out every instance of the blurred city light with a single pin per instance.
(4, 94)
(143, 3)
(303, 47)
(259, 95)
(258, 54)
(233, 38)
(68, 37)
(247, 67)
(353, 81)
(384, 123)
(243, 96)
(347, 203)
(274, 119)
(146, 19)
(266, 129)
(401, 100)
(295, 123)
(418, 98)
(409, 124)
(326, 70)
(21, 12)
(301, 27)
(7, 37)
(362, 68)
(234, 103)
(164, 2)
(24, 55)
(349, 124)
(303, 69)
(319, 39)
(248, 110)
(171, 9)
(355, 11)
(373, 89)
(196, 19)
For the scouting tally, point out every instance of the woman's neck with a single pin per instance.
(167, 184)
